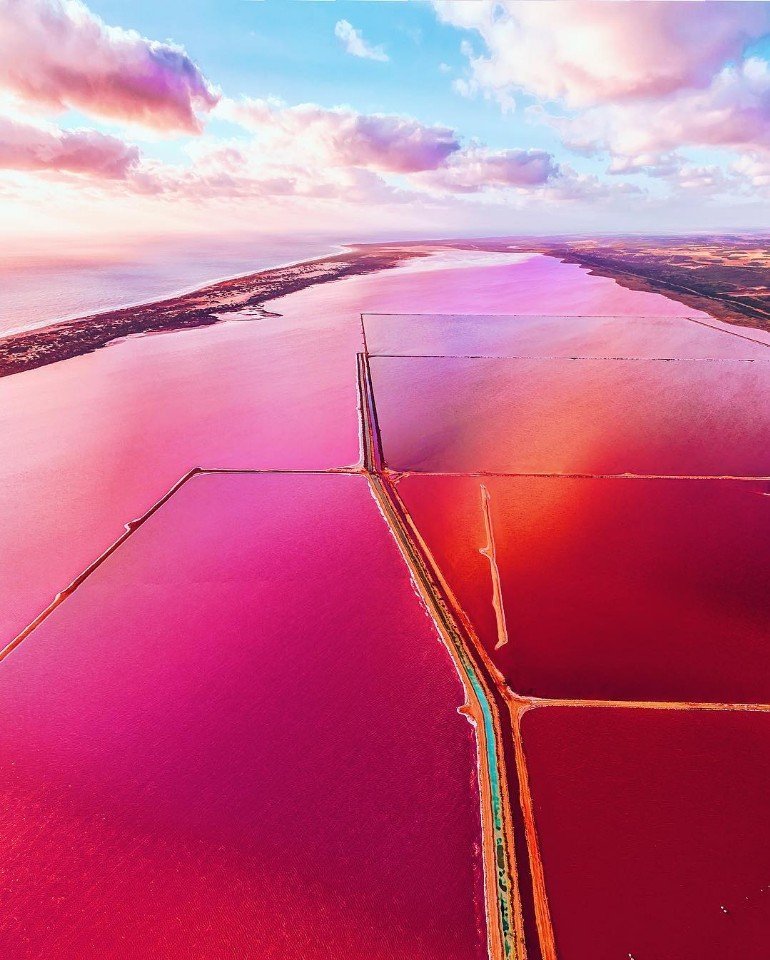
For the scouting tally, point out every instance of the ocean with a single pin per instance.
(38, 287)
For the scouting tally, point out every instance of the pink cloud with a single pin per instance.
(319, 141)
(681, 174)
(210, 184)
(86, 152)
(732, 112)
(223, 172)
(432, 156)
(397, 144)
(584, 52)
(340, 136)
(59, 54)
(571, 186)
(475, 169)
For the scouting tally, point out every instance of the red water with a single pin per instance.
(92, 442)
(240, 738)
(678, 417)
(612, 589)
(653, 831)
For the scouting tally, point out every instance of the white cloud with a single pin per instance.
(355, 44)
(732, 113)
(587, 52)
(640, 83)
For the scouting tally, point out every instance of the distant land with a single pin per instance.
(727, 276)
(208, 305)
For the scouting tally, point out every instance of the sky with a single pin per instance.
(382, 118)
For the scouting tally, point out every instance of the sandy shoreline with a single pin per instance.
(211, 303)
(202, 307)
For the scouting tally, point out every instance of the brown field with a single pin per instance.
(727, 276)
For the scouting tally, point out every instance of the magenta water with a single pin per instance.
(241, 737)
(90, 443)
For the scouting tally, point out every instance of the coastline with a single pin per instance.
(210, 304)
(719, 306)
(619, 262)
(202, 306)
(194, 287)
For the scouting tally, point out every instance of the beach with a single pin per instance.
(37, 347)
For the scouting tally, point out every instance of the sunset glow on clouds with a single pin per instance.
(586, 53)
(391, 143)
(26, 147)
(58, 54)
(579, 112)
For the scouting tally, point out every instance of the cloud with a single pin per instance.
(316, 152)
(475, 169)
(733, 112)
(574, 187)
(84, 152)
(638, 82)
(224, 179)
(396, 144)
(754, 169)
(303, 151)
(58, 54)
(680, 173)
(385, 142)
(588, 52)
(355, 44)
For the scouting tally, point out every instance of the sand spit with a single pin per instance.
(71, 338)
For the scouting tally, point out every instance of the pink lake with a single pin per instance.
(240, 738)
(90, 443)
(574, 416)
(603, 581)
(653, 831)
(557, 336)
